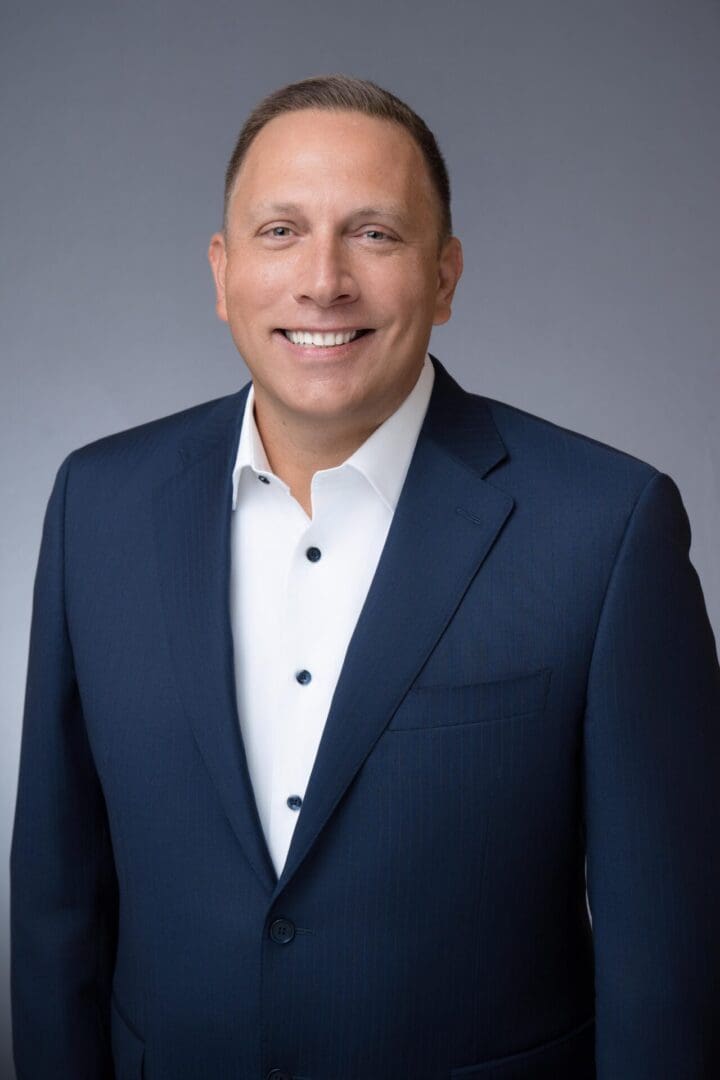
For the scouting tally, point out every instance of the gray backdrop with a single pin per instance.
(583, 144)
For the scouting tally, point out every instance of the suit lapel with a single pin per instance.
(192, 529)
(445, 523)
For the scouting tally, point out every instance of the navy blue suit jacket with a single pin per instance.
(533, 681)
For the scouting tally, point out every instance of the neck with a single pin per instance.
(297, 449)
(297, 446)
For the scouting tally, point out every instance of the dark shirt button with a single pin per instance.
(264, 479)
(282, 931)
(303, 677)
(313, 554)
(278, 1074)
(294, 802)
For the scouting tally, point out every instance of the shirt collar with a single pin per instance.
(383, 459)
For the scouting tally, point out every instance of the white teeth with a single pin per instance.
(303, 337)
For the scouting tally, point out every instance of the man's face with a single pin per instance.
(333, 227)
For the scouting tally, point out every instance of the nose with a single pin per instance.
(324, 275)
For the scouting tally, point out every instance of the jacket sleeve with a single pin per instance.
(63, 888)
(652, 809)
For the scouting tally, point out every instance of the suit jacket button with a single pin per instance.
(282, 931)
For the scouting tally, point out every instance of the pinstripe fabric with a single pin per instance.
(532, 679)
(289, 613)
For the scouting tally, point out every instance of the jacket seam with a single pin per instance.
(65, 468)
(102, 837)
(611, 576)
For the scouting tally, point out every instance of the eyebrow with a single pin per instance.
(391, 212)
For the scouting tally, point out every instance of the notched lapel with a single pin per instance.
(445, 523)
(192, 530)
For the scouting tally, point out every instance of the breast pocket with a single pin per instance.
(571, 1055)
(457, 705)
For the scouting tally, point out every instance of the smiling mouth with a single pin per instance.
(325, 339)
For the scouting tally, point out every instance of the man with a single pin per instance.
(336, 683)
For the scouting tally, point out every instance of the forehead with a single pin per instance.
(313, 155)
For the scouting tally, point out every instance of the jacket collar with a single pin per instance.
(383, 458)
(445, 505)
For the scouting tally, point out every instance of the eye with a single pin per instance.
(273, 232)
(376, 233)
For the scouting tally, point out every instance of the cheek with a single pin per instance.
(409, 291)
(249, 293)
(416, 305)
(394, 297)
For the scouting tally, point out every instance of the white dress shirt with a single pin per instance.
(297, 586)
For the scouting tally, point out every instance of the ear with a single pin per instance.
(217, 256)
(450, 267)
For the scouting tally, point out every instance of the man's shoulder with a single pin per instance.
(151, 448)
(536, 442)
(532, 449)
(568, 476)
